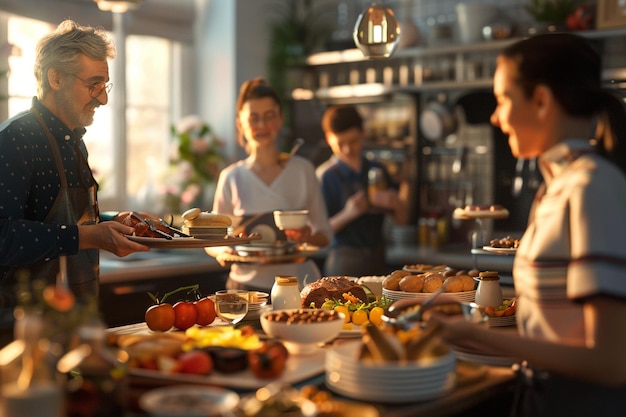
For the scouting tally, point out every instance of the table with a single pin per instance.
(496, 383)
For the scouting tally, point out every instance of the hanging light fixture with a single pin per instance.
(377, 32)
(117, 6)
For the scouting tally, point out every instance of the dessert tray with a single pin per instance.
(481, 212)
(500, 251)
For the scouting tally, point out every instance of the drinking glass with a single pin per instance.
(232, 305)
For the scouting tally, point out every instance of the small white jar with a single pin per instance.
(285, 293)
(489, 293)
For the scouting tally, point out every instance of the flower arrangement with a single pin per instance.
(195, 162)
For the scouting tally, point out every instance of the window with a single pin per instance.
(148, 97)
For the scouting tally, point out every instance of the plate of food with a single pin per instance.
(493, 211)
(501, 251)
(423, 268)
(192, 242)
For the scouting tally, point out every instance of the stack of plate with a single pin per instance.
(257, 305)
(399, 382)
(207, 232)
(474, 356)
(463, 297)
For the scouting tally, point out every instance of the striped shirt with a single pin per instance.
(575, 243)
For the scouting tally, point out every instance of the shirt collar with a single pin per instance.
(559, 157)
(56, 126)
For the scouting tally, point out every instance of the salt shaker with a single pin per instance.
(489, 293)
(285, 293)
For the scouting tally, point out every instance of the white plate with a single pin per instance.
(190, 242)
(423, 271)
(188, 401)
(464, 296)
(299, 368)
(381, 395)
(268, 234)
(503, 251)
(461, 213)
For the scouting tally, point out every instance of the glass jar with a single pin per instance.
(376, 181)
(285, 293)
(28, 387)
(489, 293)
(97, 385)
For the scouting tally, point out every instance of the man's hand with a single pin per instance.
(110, 236)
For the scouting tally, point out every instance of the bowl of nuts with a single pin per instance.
(301, 330)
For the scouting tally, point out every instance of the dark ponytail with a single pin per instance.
(611, 131)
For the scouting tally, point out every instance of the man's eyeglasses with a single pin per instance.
(96, 87)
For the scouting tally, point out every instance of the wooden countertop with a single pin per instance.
(480, 385)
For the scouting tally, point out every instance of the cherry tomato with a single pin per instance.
(376, 315)
(206, 311)
(268, 361)
(186, 315)
(197, 362)
(160, 317)
(344, 310)
(359, 317)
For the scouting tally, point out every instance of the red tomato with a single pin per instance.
(196, 362)
(186, 315)
(160, 317)
(206, 311)
(268, 361)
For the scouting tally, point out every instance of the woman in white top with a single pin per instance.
(570, 267)
(265, 181)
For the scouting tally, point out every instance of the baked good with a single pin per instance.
(412, 283)
(331, 288)
(432, 282)
(193, 218)
(453, 284)
(392, 282)
(468, 282)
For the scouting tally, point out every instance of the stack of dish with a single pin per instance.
(207, 232)
(257, 305)
(462, 297)
(393, 382)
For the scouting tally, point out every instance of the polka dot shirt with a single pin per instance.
(29, 184)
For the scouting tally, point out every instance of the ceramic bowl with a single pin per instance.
(290, 219)
(302, 337)
(188, 401)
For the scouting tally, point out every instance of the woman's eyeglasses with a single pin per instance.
(96, 87)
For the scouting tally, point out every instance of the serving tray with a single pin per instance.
(192, 242)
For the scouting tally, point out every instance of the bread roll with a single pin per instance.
(392, 282)
(468, 282)
(412, 283)
(453, 284)
(432, 282)
(207, 219)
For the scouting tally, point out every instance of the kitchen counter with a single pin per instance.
(489, 392)
(157, 263)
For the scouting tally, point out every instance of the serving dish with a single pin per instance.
(298, 369)
(502, 251)
(463, 296)
(188, 401)
(265, 249)
(461, 213)
(192, 242)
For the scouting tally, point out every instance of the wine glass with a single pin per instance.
(232, 305)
